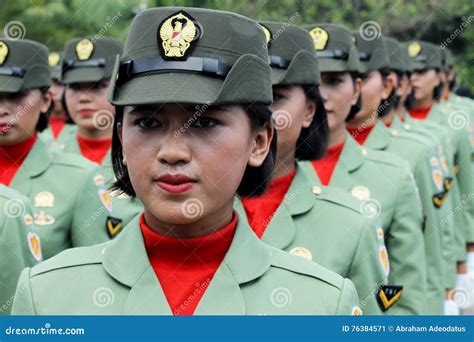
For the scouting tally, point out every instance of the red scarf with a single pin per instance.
(57, 123)
(325, 167)
(94, 149)
(388, 124)
(360, 134)
(420, 113)
(11, 158)
(261, 209)
(185, 267)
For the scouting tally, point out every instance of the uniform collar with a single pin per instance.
(379, 138)
(126, 260)
(37, 162)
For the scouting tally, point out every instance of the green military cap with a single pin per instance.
(334, 47)
(373, 54)
(53, 59)
(23, 65)
(192, 55)
(396, 54)
(448, 59)
(407, 61)
(89, 59)
(291, 54)
(425, 55)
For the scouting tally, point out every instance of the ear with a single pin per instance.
(357, 90)
(46, 102)
(310, 111)
(261, 145)
(388, 85)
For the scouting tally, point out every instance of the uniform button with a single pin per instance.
(407, 126)
(363, 152)
(394, 133)
(302, 252)
(360, 192)
(316, 190)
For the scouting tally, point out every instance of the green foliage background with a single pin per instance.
(53, 22)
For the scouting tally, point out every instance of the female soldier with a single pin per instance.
(71, 205)
(20, 246)
(86, 69)
(189, 253)
(382, 181)
(292, 215)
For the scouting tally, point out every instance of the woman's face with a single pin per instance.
(19, 114)
(423, 83)
(339, 94)
(88, 106)
(57, 90)
(372, 92)
(291, 112)
(186, 162)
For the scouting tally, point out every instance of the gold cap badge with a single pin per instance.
(3, 52)
(414, 49)
(44, 199)
(320, 38)
(268, 35)
(53, 59)
(176, 36)
(84, 49)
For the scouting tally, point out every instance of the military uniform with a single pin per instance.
(381, 180)
(253, 277)
(71, 204)
(20, 246)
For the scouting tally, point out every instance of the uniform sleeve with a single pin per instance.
(92, 208)
(23, 303)
(366, 271)
(348, 302)
(405, 247)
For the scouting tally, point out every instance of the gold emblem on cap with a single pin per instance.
(302, 252)
(44, 199)
(320, 38)
(53, 59)
(268, 35)
(84, 49)
(176, 33)
(414, 49)
(360, 192)
(3, 52)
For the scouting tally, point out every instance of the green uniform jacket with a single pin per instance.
(462, 156)
(71, 204)
(64, 136)
(459, 218)
(116, 278)
(384, 182)
(325, 225)
(126, 206)
(19, 246)
(422, 157)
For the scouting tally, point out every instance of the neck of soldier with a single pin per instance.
(388, 118)
(95, 133)
(363, 120)
(420, 103)
(337, 135)
(206, 224)
(400, 109)
(285, 162)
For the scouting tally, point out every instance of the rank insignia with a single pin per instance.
(34, 244)
(43, 219)
(360, 192)
(3, 52)
(320, 38)
(448, 183)
(44, 199)
(384, 261)
(84, 49)
(388, 295)
(438, 199)
(99, 180)
(114, 225)
(177, 35)
(28, 219)
(356, 311)
(302, 252)
(53, 59)
(414, 49)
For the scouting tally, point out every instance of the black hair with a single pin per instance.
(355, 108)
(391, 102)
(254, 181)
(313, 140)
(66, 111)
(42, 123)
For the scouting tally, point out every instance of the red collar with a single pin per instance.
(325, 166)
(12, 157)
(94, 149)
(420, 113)
(360, 134)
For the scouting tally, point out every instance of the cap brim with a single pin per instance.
(10, 84)
(418, 66)
(332, 65)
(79, 75)
(168, 88)
(277, 75)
